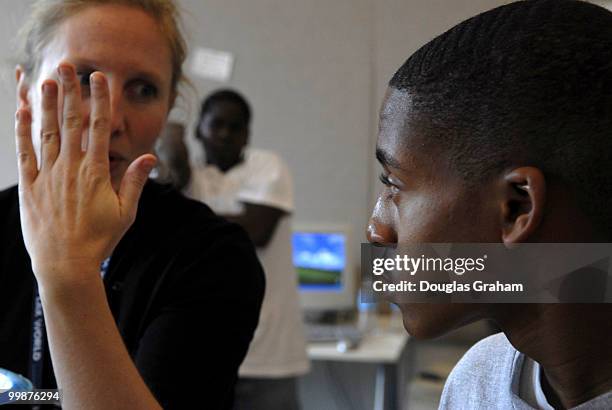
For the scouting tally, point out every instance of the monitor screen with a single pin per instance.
(320, 260)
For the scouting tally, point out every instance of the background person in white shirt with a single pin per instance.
(253, 188)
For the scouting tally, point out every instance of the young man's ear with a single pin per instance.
(23, 88)
(522, 205)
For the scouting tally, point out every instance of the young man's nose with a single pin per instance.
(380, 230)
(224, 133)
(379, 233)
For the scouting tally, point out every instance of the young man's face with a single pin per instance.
(425, 201)
(224, 132)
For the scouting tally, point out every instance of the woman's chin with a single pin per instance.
(117, 170)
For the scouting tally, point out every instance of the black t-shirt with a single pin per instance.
(185, 288)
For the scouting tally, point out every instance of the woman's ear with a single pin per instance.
(23, 88)
(522, 204)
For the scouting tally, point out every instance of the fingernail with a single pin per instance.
(21, 115)
(64, 71)
(46, 88)
(148, 164)
(96, 79)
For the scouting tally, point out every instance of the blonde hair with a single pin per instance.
(48, 15)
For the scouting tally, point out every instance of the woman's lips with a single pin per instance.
(115, 160)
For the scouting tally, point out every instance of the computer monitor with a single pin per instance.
(323, 266)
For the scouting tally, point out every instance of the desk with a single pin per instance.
(384, 349)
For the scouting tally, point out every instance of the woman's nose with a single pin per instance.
(117, 111)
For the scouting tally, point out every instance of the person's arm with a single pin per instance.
(91, 364)
(267, 196)
(260, 222)
(71, 219)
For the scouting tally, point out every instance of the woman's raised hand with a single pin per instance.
(71, 217)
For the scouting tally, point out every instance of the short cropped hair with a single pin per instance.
(223, 96)
(528, 83)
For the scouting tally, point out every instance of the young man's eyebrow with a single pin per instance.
(387, 159)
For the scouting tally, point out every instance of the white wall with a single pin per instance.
(305, 66)
(402, 27)
(315, 72)
(13, 12)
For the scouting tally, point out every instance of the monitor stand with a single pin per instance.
(334, 326)
(330, 317)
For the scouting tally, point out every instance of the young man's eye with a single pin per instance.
(236, 126)
(384, 179)
(388, 183)
(216, 124)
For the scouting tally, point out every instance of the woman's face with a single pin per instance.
(127, 45)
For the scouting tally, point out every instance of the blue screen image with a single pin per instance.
(319, 251)
(319, 258)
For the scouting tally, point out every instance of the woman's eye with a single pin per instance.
(143, 91)
(84, 81)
